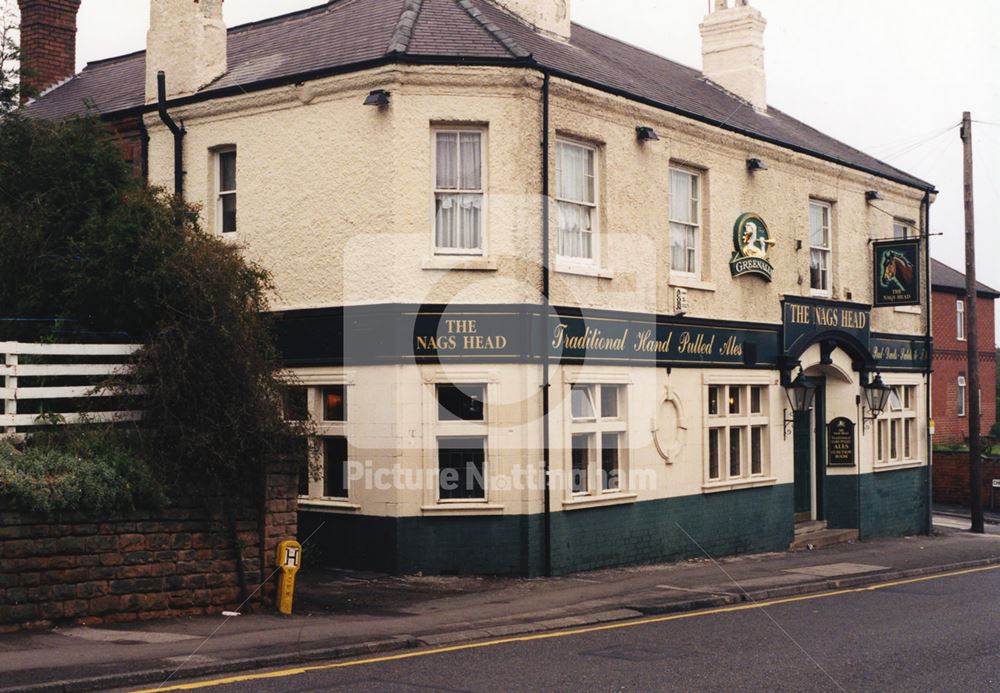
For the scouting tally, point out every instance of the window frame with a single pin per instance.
(324, 429)
(699, 199)
(595, 428)
(220, 194)
(595, 207)
(897, 436)
(961, 395)
(745, 420)
(455, 429)
(901, 225)
(483, 132)
(827, 208)
(960, 320)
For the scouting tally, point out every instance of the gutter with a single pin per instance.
(178, 131)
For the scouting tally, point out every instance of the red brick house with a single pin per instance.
(950, 380)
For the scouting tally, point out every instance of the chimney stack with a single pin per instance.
(732, 50)
(547, 16)
(48, 42)
(187, 41)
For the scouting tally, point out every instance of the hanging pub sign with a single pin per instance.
(840, 443)
(751, 244)
(897, 272)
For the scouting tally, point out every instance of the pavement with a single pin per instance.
(347, 614)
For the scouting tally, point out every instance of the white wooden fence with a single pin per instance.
(50, 361)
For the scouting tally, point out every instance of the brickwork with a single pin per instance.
(950, 361)
(48, 41)
(951, 478)
(143, 565)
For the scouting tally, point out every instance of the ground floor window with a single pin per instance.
(323, 458)
(896, 437)
(462, 441)
(461, 468)
(737, 432)
(597, 438)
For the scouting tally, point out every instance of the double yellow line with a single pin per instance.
(555, 634)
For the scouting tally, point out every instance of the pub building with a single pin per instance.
(553, 302)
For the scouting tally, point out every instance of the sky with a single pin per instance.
(890, 77)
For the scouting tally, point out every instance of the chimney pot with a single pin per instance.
(48, 43)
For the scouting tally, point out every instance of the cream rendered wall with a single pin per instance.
(635, 207)
(335, 197)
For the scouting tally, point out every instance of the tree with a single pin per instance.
(83, 240)
(10, 59)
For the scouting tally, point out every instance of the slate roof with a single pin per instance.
(344, 35)
(951, 280)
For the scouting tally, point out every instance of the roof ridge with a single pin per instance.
(399, 42)
(505, 39)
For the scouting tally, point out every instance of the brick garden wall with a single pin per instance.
(951, 478)
(142, 565)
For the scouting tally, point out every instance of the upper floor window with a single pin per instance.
(225, 190)
(458, 191)
(901, 229)
(576, 201)
(961, 395)
(960, 319)
(820, 243)
(685, 221)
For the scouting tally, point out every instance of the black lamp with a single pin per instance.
(872, 195)
(377, 97)
(644, 133)
(877, 396)
(800, 393)
(756, 165)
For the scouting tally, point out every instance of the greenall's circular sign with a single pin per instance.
(751, 241)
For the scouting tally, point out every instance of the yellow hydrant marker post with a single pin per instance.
(289, 559)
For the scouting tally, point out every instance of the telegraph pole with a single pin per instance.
(972, 343)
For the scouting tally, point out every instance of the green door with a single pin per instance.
(802, 445)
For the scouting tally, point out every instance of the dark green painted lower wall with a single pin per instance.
(720, 524)
(893, 503)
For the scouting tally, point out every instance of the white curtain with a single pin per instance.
(575, 174)
(458, 223)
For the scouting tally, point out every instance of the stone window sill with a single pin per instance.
(912, 310)
(321, 505)
(739, 484)
(694, 283)
(462, 509)
(893, 466)
(465, 263)
(598, 501)
(583, 270)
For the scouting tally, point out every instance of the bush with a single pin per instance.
(90, 471)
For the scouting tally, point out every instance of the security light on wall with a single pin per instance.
(872, 195)
(644, 133)
(800, 393)
(756, 165)
(378, 97)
